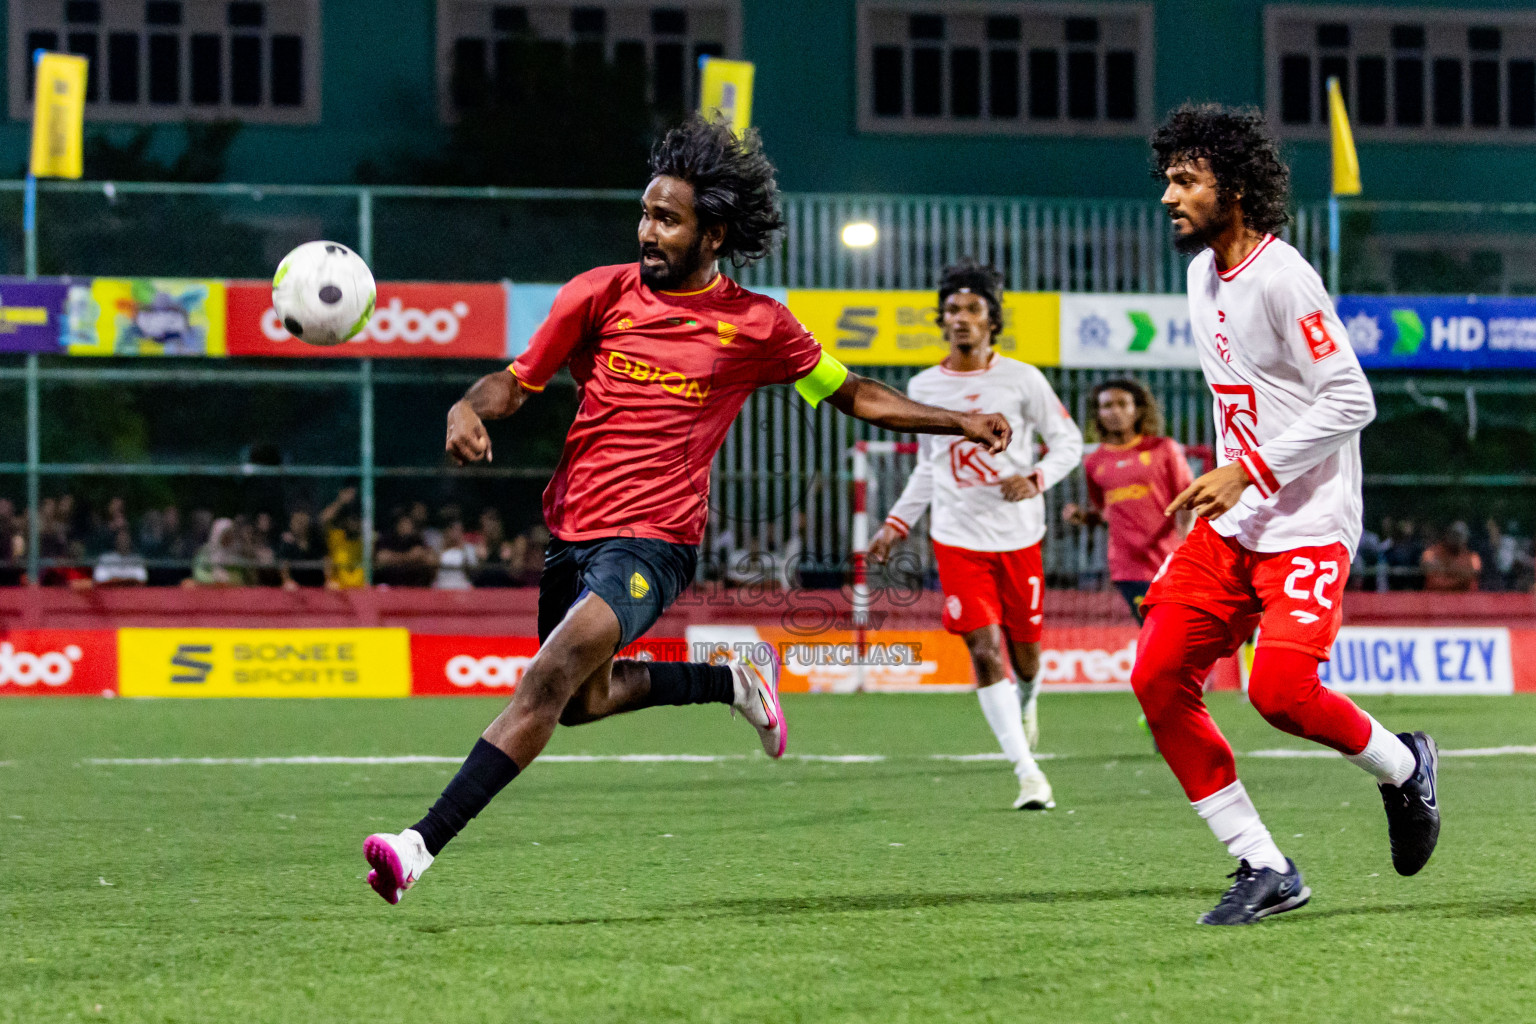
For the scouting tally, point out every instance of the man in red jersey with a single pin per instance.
(1132, 476)
(664, 352)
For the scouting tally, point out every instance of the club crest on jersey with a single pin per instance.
(726, 332)
(970, 466)
(1319, 342)
(668, 380)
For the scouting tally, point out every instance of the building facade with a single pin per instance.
(975, 97)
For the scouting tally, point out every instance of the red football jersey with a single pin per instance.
(1131, 485)
(661, 375)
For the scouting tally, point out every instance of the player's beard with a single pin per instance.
(1199, 239)
(676, 271)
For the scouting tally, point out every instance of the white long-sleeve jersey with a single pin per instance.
(1290, 398)
(961, 482)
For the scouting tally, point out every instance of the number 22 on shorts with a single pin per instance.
(1305, 567)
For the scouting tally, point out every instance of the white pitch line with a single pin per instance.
(1279, 753)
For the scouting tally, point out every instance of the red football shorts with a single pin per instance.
(986, 587)
(1295, 598)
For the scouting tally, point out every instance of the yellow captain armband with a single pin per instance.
(822, 381)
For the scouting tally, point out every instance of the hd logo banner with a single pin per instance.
(264, 663)
(1441, 332)
(1126, 331)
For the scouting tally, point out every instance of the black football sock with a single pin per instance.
(485, 773)
(689, 682)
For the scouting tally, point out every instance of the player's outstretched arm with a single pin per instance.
(873, 402)
(493, 397)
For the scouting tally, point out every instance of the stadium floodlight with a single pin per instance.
(860, 234)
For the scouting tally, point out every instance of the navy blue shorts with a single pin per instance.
(637, 577)
(1133, 591)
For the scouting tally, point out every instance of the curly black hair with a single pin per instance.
(1149, 417)
(979, 279)
(733, 183)
(1244, 157)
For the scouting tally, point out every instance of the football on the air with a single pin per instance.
(323, 293)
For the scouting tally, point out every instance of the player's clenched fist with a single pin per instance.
(988, 429)
(467, 439)
(1214, 494)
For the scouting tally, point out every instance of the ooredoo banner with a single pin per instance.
(264, 662)
(410, 320)
(482, 666)
(58, 662)
(1087, 658)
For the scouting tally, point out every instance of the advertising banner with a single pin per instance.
(898, 328)
(1087, 658)
(1408, 659)
(410, 320)
(145, 316)
(58, 662)
(484, 666)
(1126, 331)
(32, 315)
(264, 662)
(1440, 332)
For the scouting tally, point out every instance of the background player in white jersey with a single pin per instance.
(1280, 515)
(988, 515)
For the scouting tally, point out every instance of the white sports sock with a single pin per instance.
(1236, 823)
(1000, 705)
(1385, 756)
(1029, 689)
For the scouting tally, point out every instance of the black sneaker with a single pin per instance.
(1258, 893)
(1413, 811)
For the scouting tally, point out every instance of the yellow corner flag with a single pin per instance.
(58, 116)
(1346, 162)
(725, 90)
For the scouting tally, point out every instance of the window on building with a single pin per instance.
(171, 60)
(1405, 74)
(1005, 69)
(484, 44)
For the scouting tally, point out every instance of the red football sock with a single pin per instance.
(1284, 688)
(1177, 648)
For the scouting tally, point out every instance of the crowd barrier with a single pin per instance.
(397, 643)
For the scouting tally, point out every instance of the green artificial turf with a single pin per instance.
(738, 890)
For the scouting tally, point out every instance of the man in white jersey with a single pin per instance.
(988, 515)
(1279, 516)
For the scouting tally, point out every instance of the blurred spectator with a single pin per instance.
(60, 549)
(1404, 556)
(13, 544)
(1506, 558)
(104, 529)
(430, 535)
(455, 561)
(1370, 568)
(122, 566)
(255, 540)
(1451, 565)
(498, 557)
(222, 561)
(343, 528)
(301, 544)
(401, 556)
(531, 566)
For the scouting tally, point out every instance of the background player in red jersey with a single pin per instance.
(665, 352)
(1132, 476)
(1280, 515)
(987, 513)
